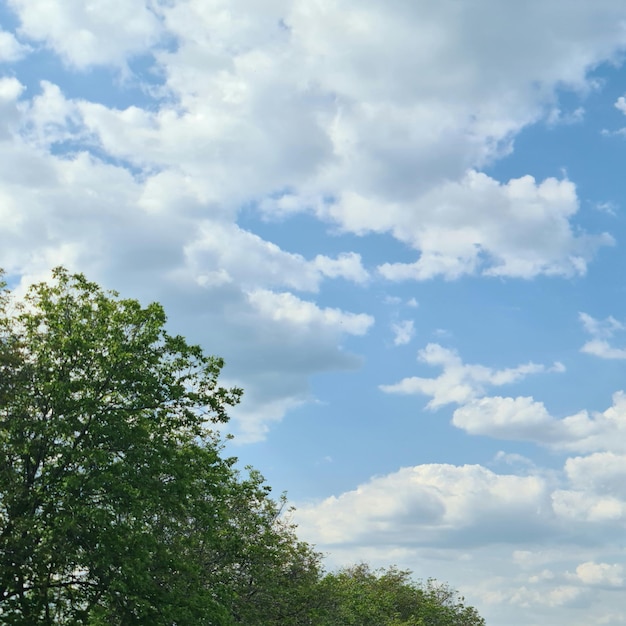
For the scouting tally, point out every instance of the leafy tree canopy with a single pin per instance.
(360, 596)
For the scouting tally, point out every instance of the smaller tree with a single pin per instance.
(360, 596)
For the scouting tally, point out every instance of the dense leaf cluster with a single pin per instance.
(358, 596)
(117, 504)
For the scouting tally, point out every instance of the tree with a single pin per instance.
(274, 577)
(360, 596)
(110, 472)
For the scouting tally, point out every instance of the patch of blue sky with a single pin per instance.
(366, 432)
(71, 148)
(12, 281)
(309, 236)
(592, 160)
(8, 19)
(577, 149)
(77, 141)
(356, 432)
(140, 85)
(494, 327)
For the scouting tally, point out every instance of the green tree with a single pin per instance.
(274, 576)
(360, 596)
(111, 476)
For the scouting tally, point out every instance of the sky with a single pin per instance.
(401, 225)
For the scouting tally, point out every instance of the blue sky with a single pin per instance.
(402, 226)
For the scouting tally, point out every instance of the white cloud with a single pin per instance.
(10, 91)
(299, 97)
(384, 183)
(603, 349)
(403, 331)
(432, 505)
(525, 419)
(558, 117)
(600, 328)
(545, 574)
(513, 459)
(600, 473)
(301, 314)
(256, 415)
(251, 261)
(459, 383)
(556, 597)
(591, 573)
(620, 104)
(514, 418)
(510, 542)
(375, 118)
(518, 229)
(141, 237)
(162, 235)
(347, 265)
(11, 49)
(292, 106)
(580, 506)
(601, 331)
(91, 32)
(50, 118)
(610, 208)
(506, 418)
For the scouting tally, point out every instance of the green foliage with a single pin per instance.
(359, 596)
(116, 505)
(274, 578)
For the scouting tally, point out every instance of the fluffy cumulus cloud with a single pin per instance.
(601, 472)
(525, 419)
(287, 308)
(585, 498)
(10, 48)
(145, 217)
(520, 418)
(519, 229)
(421, 505)
(591, 573)
(289, 95)
(158, 237)
(428, 196)
(528, 420)
(513, 542)
(557, 515)
(239, 256)
(347, 265)
(459, 382)
(90, 33)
